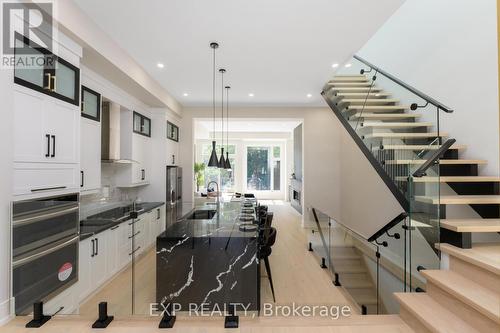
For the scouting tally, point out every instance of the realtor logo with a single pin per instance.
(32, 20)
(27, 34)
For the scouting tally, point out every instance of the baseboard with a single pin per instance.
(6, 314)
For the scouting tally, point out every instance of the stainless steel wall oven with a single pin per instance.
(44, 248)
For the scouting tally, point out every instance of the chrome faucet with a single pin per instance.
(218, 194)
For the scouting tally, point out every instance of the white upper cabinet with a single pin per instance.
(90, 148)
(90, 140)
(136, 145)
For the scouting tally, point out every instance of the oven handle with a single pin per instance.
(38, 218)
(35, 256)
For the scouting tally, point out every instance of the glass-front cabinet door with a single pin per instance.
(91, 104)
(33, 74)
(66, 81)
(38, 69)
(172, 132)
(142, 124)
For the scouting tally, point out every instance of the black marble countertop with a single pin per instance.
(225, 224)
(103, 221)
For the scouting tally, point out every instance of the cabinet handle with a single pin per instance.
(97, 246)
(131, 253)
(93, 248)
(48, 81)
(54, 87)
(47, 136)
(115, 227)
(48, 188)
(82, 181)
(173, 159)
(138, 232)
(158, 215)
(143, 174)
(53, 146)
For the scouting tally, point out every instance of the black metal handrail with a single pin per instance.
(388, 226)
(415, 91)
(439, 153)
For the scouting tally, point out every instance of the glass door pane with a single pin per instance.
(277, 175)
(33, 73)
(65, 81)
(258, 173)
(91, 104)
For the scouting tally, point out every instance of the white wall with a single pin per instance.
(448, 50)
(6, 152)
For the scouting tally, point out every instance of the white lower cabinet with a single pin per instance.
(104, 255)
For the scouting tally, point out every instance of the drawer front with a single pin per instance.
(43, 179)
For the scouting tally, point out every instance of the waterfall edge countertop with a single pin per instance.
(105, 220)
(203, 221)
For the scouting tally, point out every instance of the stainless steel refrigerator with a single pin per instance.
(174, 194)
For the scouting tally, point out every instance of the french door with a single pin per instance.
(264, 173)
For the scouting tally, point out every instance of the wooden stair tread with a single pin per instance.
(385, 116)
(483, 255)
(350, 84)
(356, 283)
(349, 269)
(471, 225)
(371, 89)
(405, 135)
(349, 79)
(447, 162)
(452, 179)
(419, 147)
(469, 292)
(352, 95)
(395, 125)
(370, 100)
(433, 315)
(460, 199)
(374, 108)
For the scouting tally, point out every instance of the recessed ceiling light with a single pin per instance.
(309, 95)
(335, 65)
(185, 94)
(348, 65)
(251, 95)
(160, 65)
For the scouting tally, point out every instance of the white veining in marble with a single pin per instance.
(218, 277)
(180, 242)
(187, 284)
(248, 264)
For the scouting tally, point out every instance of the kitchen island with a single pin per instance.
(208, 261)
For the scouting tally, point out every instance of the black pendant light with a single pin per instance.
(222, 161)
(213, 162)
(228, 164)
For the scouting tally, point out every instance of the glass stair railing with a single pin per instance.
(398, 129)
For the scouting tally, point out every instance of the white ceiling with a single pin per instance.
(252, 125)
(279, 50)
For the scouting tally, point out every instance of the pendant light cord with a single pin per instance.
(213, 89)
(222, 109)
(227, 120)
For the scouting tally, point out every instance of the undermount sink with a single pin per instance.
(202, 214)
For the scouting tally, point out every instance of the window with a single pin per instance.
(172, 132)
(263, 168)
(225, 178)
(142, 124)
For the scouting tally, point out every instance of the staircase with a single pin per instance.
(394, 135)
(465, 298)
(446, 202)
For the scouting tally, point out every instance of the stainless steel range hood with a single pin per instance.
(111, 134)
